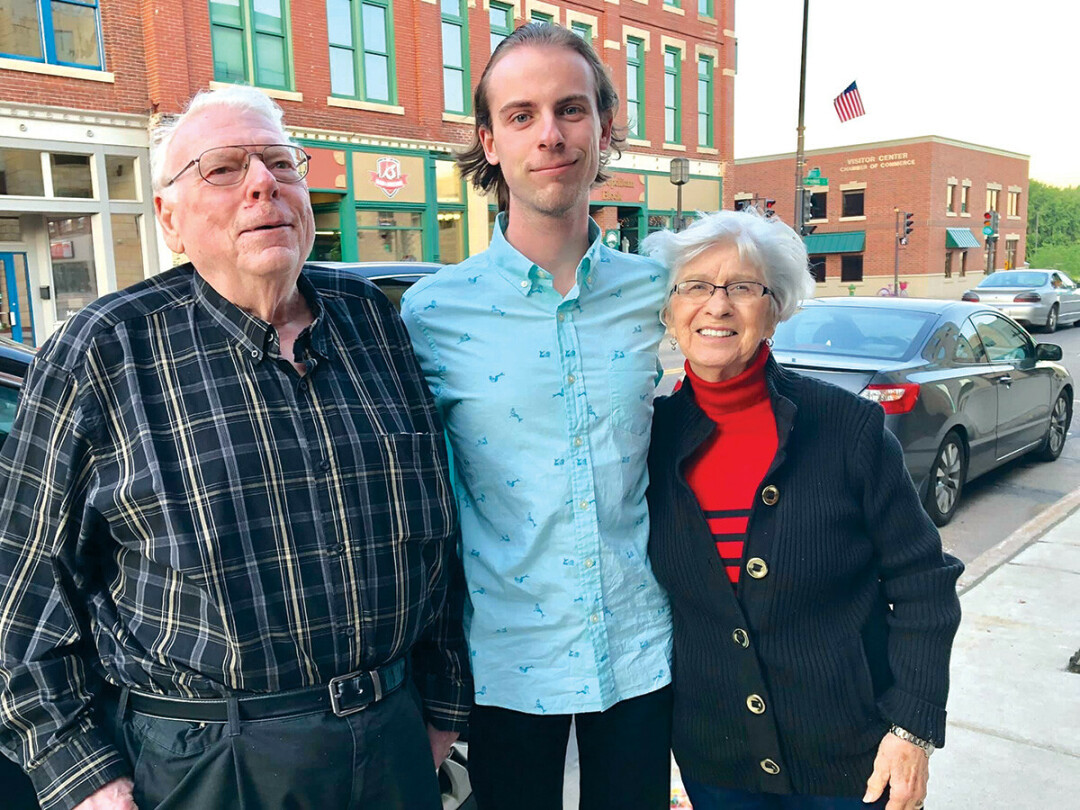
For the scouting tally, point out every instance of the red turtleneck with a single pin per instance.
(727, 469)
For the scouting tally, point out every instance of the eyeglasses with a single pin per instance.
(738, 292)
(228, 165)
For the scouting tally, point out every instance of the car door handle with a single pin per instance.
(1004, 379)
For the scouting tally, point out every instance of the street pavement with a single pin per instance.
(1013, 734)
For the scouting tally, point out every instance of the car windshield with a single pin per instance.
(864, 332)
(1014, 278)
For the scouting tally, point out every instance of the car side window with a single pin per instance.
(1063, 281)
(9, 398)
(1004, 341)
(968, 348)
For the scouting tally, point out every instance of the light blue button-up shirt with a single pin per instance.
(547, 401)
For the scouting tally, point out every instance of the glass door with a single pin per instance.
(16, 314)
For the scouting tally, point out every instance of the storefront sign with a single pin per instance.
(890, 160)
(388, 176)
(622, 187)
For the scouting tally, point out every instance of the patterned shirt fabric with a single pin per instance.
(745, 430)
(547, 401)
(182, 513)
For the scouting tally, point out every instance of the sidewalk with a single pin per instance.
(1013, 734)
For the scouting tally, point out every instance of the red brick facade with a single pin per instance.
(914, 176)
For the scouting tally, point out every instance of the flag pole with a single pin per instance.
(800, 160)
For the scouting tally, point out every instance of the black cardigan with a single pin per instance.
(846, 604)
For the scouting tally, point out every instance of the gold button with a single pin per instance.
(770, 495)
(755, 704)
(741, 638)
(769, 766)
(756, 568)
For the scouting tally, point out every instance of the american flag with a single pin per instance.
(849, 104)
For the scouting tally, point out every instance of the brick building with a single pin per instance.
(380, 94)
(947, 185)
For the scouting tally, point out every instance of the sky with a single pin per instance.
(997, 73)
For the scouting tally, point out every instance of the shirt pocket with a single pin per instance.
(632, 382)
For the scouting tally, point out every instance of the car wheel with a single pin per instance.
(946, 479)
(1052, 320)
(1057, 430)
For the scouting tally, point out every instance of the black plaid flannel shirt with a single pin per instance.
(184, 514)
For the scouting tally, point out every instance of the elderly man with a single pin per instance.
(226, 496)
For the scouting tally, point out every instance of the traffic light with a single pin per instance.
(770, 207)
(988, 218)
(909, 223)
(807, 205)
(994, 222)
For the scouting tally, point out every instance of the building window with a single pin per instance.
(635, 88)
(853, 203)
(583, 30)
(121, 180)
(948, 263)
(705, 101)
(390, 235)
(250, 42)
(21, 173)
(59, 32)
(817, 268)
(1014, 203)
(659, 222)
(819, 205)
(963, 262)
(452, 217)
(71, 176)
(541, 18)
(127, 250)
(991, 199)
(672, 100)
(705, 8)
(1010, 254)
(851, 267)
(361, 55)
(950, 198)
(74, 275)
(964, 199)
(673, 3)
(502, 23)
(455, 44)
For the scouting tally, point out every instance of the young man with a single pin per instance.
(541, 353)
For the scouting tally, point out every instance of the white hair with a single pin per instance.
(765, 242)
(237, 98)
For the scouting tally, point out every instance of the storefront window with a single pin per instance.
(20, 173)
(121, 177)
(71, 248)
(127, 250)
(389, 235)
(451, 237)
(448, 182)
(327, 247)
(658, 222)
(71, 176)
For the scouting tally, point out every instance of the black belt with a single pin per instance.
(344, 695)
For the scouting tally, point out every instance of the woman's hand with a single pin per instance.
(904, 768)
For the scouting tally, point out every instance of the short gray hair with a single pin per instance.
(765, 242)
(237, 97)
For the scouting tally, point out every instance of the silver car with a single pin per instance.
(1036, 298)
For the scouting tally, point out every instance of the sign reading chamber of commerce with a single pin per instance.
(388, 176)
(889, 160)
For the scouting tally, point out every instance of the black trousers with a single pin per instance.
(377, 759)
(516, 760)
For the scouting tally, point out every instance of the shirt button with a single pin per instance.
(324, 465)
(303, 386)
(524, 283)
(589, 563)
(757, 568)
(741, 638)
(349, 630)
(594, 618)
(578, 441)
(769, 766)
(756, 704)
(254, 352)
(561, 317)
(337, 549)
(770, 495)
(584, 505)
(570, 378)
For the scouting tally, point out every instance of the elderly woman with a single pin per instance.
(814, 610)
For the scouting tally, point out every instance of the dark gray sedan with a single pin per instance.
(964, 388)
(1035, 298)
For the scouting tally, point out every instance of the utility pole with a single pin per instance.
(896, 252)
(799, 158)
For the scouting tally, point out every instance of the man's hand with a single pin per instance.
(114, 796)
(440, 744)
(904, 768)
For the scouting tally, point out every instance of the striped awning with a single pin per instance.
(847, 242)
(960, 238)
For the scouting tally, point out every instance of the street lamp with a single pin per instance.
(680, 176)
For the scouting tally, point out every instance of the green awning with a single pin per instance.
(960, 238)
(848, 242)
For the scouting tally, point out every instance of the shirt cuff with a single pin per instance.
(81, 765)
(446, 704)
(925, 720)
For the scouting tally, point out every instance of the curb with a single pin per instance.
(987, 562)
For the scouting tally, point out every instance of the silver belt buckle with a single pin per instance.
(335, 698)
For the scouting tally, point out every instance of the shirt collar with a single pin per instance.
(525, 276)
(253, 336)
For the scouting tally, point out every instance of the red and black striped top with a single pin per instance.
(727, 469)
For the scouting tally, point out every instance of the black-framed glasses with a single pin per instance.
(738, 292)
(228, 165)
